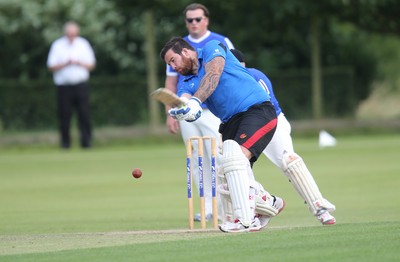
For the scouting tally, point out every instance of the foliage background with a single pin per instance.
(359, 52)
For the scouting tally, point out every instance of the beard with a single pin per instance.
(187, 67)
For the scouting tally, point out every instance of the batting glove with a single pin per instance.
(189, 112)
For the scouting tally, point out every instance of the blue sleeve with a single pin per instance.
(266, 84)
(213, 49)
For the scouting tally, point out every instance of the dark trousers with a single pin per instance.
(72, 97)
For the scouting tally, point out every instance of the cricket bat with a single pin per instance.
(167, 97)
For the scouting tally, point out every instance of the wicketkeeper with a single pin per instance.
(281, 152)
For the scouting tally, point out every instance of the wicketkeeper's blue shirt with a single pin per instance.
(237, 89)
(264, 81)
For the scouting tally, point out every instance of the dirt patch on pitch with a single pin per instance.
(43, 243)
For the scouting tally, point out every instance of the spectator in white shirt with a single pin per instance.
(71, 58)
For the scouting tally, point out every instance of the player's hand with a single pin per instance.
(190, 112)
(172, 125)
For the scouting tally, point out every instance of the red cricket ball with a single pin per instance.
(137, 173)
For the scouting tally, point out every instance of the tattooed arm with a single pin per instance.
(210, 80)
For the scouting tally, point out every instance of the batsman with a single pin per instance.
(212, 75)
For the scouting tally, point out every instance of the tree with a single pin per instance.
(380, 16)
(26, 40)
(275, 35)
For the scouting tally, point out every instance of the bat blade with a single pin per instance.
(167, 97)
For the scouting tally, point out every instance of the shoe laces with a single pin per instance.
(321, 212)
(324, 215)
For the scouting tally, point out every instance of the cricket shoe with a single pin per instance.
(325, 217)
(197, 217)
(279, 204)
(238, 227)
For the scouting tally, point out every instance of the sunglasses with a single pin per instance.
(197, 19)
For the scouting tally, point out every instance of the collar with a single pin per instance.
(201, 39)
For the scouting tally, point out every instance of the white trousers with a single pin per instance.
(281, 141)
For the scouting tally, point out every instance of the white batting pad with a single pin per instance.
(225, 210)
(226, 202)
(263, 201)
(234, 163)
(304, 183)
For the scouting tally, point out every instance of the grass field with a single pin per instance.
(85, 206)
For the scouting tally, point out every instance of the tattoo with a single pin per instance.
(210, 80)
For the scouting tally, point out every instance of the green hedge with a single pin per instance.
(31, 105)
(117, 101)
(293, 90)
